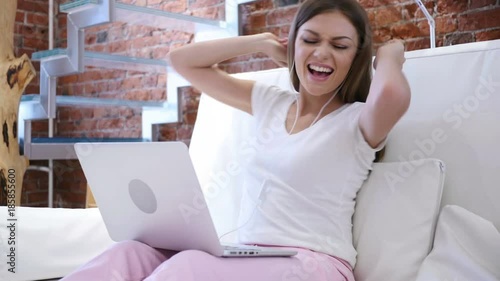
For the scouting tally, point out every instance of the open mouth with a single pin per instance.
(319, 71)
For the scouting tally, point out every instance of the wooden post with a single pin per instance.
(15, 75)
(90, 200)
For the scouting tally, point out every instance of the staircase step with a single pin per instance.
(74, 5)
(95, 102)
(109, 61)
(78, 140)
(152, 112)
(138, 15)
(60, 148)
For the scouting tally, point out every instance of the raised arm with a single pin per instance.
(389, 95)
(197, 63)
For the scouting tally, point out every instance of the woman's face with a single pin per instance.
(325, 48)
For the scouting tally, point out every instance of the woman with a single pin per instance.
(306, 176)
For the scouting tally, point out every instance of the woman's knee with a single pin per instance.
(138, 258)
(188, 260)
(189, 256)
(132, 250)
(127, 260)
(129, 246)
(184, 266)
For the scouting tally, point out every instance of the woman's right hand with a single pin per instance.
(276, 48)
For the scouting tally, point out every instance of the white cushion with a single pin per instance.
(395, 217)
(454, 116)
(50, 243)
(466, 247)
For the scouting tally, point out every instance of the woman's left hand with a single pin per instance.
(393, 49)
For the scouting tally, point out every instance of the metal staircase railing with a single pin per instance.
(62, 62)
(85, 13)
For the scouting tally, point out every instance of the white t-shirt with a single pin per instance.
(299, 189)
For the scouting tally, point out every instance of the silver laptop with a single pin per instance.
(149, 192)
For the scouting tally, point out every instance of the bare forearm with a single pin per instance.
(196, 63)
(389, 85)
(389, 96)
(206, 54)
(389, 80)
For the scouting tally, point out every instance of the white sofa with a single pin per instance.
(453, 116)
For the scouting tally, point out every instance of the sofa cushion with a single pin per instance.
(51, 242)
(395, 218)
(466, 247)
(454, 116)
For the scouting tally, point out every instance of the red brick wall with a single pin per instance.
(182, 131)
(456, 22)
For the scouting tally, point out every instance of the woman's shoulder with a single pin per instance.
(262, 87)
(267, 93)
(266, 96)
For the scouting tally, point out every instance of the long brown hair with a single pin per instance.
(358, 80)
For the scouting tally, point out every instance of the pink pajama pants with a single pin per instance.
(130, 260)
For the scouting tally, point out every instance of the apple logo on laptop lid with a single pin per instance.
(142, 196)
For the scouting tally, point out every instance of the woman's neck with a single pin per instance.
(312, 105)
